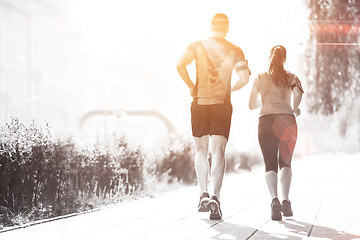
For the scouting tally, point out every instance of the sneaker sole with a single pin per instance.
(214, 208)
(288, 215)
(204, 205)
(286, 209)
(276, 216)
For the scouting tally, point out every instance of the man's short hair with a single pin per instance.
(220, 22)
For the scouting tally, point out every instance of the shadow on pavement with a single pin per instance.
(297, 230)
(307, 229)
(227, 230)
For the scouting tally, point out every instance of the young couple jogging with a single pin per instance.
(211, 112)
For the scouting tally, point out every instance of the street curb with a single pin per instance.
(8, 229)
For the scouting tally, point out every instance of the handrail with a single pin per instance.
(120, 113)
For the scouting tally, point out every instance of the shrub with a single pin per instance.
(245, 161)
(40, 177)
(175, 161)
(23, 159)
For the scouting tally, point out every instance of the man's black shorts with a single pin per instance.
(212, 119)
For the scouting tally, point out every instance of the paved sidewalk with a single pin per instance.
(325, 198)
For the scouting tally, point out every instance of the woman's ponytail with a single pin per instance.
(276, 68)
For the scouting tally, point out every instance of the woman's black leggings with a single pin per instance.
(277, 137)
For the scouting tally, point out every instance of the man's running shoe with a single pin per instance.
(214, 206)
(276, 210)
(286, 208)
(203, 202)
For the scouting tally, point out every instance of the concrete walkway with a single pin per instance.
(325, 197)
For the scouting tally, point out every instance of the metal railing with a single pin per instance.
(121, 113)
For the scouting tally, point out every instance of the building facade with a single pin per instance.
(33, 59)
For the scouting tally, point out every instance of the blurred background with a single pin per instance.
(90, 68)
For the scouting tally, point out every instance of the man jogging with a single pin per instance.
(211, 108)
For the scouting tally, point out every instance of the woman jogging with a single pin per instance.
(277, 131)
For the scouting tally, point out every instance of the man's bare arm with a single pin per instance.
(185, 60)
(243, 72)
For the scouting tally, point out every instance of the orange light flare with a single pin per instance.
(352, 28)
(344, 28)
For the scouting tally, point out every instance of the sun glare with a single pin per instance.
(150, 36)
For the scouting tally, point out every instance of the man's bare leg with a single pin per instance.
(218, 145)
(201, 162)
